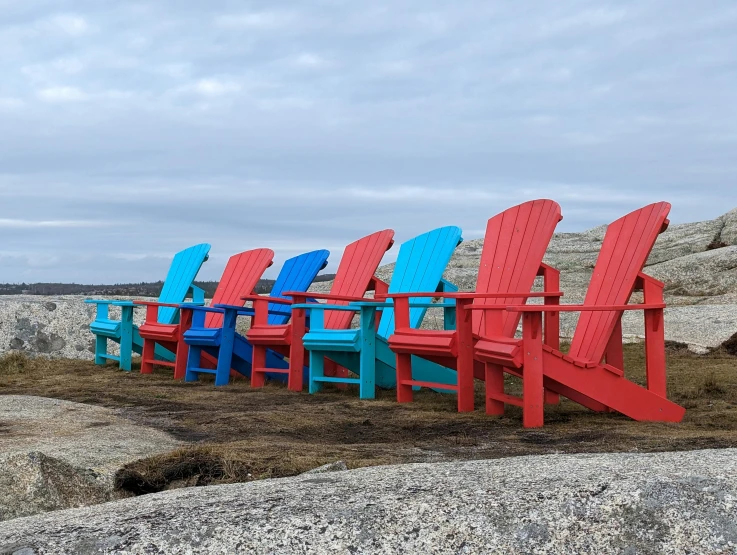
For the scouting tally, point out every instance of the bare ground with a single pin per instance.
(238, 434)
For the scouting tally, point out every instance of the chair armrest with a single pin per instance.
(323, 307)
(431, 305)
(155, 303)
(240, 310)
(277, 300)
(331, 297)
(472, 295)
(576, 307)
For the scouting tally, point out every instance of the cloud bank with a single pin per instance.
(131, 130)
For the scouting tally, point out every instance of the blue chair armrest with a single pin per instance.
(240, 310)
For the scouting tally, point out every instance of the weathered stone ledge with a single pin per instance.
(684, 502)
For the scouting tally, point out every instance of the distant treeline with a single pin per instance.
(124, 289)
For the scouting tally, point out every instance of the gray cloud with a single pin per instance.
(131, 130)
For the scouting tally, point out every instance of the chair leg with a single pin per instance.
(655, 352)
(100, 349)
(193, 361)
(404, 373)
(551, 397)
(180, 362)
(367, 355)
(147, 365)
(126, 338)
(258, 378)
(317, 370)
(367, 377)
(465, 382)
(533, 397)
(494, 384)
(225, 356)
(296, 367)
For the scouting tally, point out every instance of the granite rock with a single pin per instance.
(683, 502)
(57, 454)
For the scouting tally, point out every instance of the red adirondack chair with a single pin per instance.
(354, 277)
(239, 278)
(592, 372)
(514, 247)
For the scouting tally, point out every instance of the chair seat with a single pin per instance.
(203, 337)
(269, 335)
(159, 332)
(499, 350)
(424, 342)
(106, 327)
(332, 340)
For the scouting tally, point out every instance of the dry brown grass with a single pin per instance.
(240, 434)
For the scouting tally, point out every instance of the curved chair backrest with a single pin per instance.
(514, 246)
(239, 278)
(297, 274)
(182, 273)
(420, 265)
(624, 251)
(357, 267)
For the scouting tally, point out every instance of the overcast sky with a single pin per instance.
(130, 130)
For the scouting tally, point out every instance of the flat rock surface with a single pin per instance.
(47, 442)
(82, 435)
(682, 502)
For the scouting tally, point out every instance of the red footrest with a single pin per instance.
(433, 385)
(159, 362)
(270, 370)
(506, 399)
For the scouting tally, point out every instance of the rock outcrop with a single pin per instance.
(605, 503)
(57, 454)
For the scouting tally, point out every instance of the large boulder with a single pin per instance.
(605, 503)
(701, 275)
(58, 454)
(32, 483)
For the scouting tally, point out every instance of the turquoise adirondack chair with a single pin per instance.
(365, 351)
(177, 287)
(222, 345)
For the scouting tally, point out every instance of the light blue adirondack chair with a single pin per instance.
(228, 348)
(177, 287)
(365, 351)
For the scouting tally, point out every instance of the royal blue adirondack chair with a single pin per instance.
(230, 350)
(365, 351)
(178, 285)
